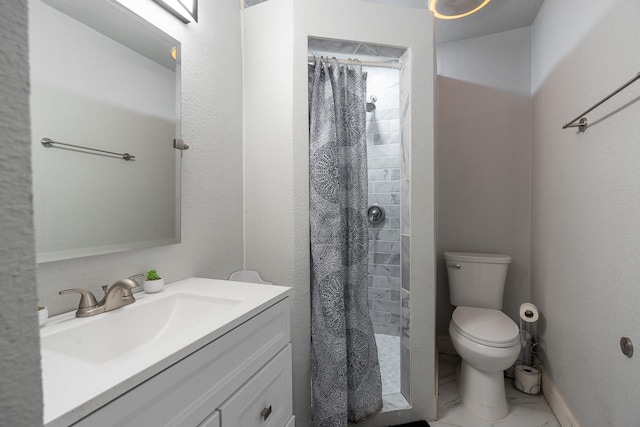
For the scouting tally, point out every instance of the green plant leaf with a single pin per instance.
(153, 275)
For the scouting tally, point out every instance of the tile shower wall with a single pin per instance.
(405, 226)
(383, 151)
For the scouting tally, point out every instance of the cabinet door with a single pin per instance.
(265, 400)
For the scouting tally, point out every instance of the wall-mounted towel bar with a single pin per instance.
(582, 124)
(47, 142)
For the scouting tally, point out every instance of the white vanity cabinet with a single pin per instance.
(242, 378)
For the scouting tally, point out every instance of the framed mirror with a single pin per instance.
(104, 82)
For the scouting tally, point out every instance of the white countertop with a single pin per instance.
(76, 385)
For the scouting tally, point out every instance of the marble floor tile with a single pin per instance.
(524, 410)
(389, 358)
(393, 402)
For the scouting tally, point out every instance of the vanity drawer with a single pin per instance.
(265, 400)
(186, 393)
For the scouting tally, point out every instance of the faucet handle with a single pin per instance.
(87, 300)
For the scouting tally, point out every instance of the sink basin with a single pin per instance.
(87, 362)
(114, 335)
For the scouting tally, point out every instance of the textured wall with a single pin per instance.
(484, 146)
(586, 199)
(277, 159)
(383, 155)
(211, 169)
(20, 386)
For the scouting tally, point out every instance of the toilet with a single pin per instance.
(486, 339)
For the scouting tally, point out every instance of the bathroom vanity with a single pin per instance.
(203, 352)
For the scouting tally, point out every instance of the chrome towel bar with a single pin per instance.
(47, 142)
(582, 124)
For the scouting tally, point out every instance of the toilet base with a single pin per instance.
(483, 392)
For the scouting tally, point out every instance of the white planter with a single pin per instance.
(152, 286)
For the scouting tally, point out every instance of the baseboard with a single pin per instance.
(563, 413)
(445, 345)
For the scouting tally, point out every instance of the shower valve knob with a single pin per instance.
(376, 214)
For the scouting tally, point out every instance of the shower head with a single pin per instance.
(371, 104)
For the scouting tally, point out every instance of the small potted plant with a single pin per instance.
(152, 282)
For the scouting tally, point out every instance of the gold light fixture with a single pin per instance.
(455, 9)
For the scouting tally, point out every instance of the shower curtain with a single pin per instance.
(345, 376)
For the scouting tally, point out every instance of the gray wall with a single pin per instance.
(212, 225)
(383, 156)
(483, 168)
(586, 199)
(20, 384)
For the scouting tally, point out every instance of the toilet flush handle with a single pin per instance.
(456, 266)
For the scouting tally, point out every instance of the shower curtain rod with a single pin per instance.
(395, 64)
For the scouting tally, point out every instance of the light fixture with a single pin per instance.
(454, 9)
(184, 10)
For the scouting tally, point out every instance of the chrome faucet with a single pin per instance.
(115, 296)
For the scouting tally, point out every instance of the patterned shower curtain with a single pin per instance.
(345, 376)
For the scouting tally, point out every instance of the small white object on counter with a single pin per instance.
(87, 362)
(153, 286)
(43, 315)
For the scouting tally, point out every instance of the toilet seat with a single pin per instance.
(485, 326)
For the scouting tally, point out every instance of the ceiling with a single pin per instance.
(495, 17)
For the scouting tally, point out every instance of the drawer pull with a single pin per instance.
(265, 413)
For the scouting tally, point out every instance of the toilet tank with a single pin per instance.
(475, 279)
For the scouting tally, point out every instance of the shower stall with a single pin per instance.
(383, 165)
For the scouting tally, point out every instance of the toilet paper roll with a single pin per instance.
(529, 312)
(527, 379)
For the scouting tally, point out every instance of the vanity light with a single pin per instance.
(184, 10)
(454, 9)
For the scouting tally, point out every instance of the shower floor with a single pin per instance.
(389, 358)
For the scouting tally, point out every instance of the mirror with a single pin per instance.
(102, 78)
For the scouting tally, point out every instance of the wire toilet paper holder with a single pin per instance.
(528, 373)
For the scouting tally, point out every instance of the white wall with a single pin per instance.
(20, 384)
(211, 169)
(586, 199)
(277, 156)
(484, 155)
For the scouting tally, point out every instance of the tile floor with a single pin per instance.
(389, 358)
(525, 410)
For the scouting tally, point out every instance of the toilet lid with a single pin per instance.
(485, 326)
(475, 257)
